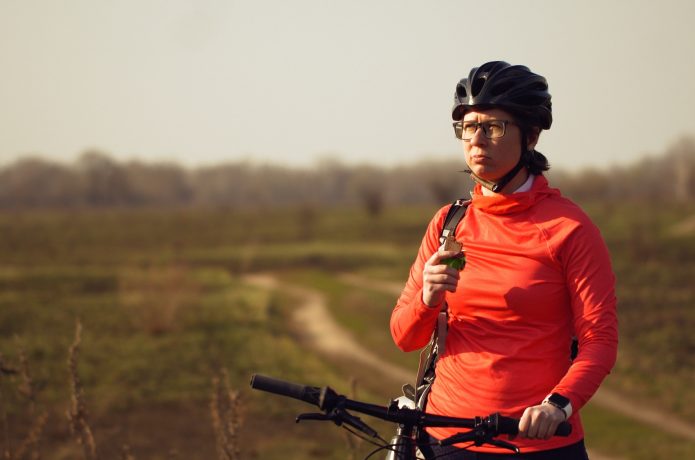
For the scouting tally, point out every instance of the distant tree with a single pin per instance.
(332, 179)
(36, 183)
(683, 154)
(105, 181)
(429, 181)
(158, 184)
(96, 180)
(219, 186)
(368, 184)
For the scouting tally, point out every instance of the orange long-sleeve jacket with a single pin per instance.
(537, 273)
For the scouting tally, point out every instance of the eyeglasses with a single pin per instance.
(492, 129)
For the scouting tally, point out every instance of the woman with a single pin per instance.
(537, 273)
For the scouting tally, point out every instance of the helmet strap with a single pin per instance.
(497, 186)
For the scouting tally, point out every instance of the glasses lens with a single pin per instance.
(458, 129)
(469, 130)
(493, 129)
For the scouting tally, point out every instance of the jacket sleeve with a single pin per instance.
(412, 322)
(591, 285)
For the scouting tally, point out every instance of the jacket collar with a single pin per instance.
(514, 202)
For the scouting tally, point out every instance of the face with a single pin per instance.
(491, 159)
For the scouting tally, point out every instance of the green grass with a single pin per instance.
(133, 362)
(622, 437)
(163, 308)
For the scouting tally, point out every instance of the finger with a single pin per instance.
(550, 431)
(442, 272)
(547, 427)
(446, 254)
(441, 282)
(538, 420)
(434, 259)
(437, 256)
(553, 423)
(524, 423)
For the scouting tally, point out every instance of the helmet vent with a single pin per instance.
(461, 92)
(478, 85)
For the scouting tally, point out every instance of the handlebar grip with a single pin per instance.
(563, 429)
(509, 425)
(284, 388)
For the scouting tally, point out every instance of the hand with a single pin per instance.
(540, 422)
(438, 278)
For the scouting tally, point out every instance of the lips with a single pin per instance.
(480, 159)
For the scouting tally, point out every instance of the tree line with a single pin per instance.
(95, 180)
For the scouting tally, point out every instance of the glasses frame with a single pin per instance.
(485, 125)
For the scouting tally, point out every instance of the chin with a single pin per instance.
(490, 174)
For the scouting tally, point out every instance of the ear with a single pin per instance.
(532, 138)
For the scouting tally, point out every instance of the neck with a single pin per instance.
(516, 182)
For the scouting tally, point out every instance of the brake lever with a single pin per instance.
(458, 438)
(340, 416)
(483, 432)
(356, 423)
(504, 445)
(313, 416)
(479, 437)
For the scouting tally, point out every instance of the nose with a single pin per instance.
(478, 137)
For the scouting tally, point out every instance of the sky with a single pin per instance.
(203, 82)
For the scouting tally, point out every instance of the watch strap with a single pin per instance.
(557, 400)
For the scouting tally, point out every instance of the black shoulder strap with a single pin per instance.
(453, 217)
(430, 354)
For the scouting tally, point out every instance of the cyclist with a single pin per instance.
(537, 273)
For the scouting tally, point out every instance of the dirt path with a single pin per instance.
(325, 335)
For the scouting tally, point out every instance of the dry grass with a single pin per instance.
(77, 414)
(28, 448)
(126, 454)
(30, 445)
(5, 370)
(27, 388)
(353, 443)
(225, 409)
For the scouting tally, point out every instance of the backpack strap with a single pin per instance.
(430, 354)
(453, 217)
(451, 221)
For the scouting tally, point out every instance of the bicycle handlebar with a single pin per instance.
(304, 393)
(327, 400)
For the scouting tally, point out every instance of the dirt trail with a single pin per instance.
(326, 336)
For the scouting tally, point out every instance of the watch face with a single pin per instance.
(558, 399)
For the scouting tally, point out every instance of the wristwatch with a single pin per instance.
(559, 401)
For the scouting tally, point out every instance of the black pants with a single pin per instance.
(572, 452)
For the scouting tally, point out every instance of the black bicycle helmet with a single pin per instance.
(513, 88)
(517, 90)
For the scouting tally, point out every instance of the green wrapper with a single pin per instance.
(455, 262)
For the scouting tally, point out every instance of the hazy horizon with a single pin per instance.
(291, 83)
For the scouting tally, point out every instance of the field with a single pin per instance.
(165, 309)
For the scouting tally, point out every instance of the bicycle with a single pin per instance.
(403, 446)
